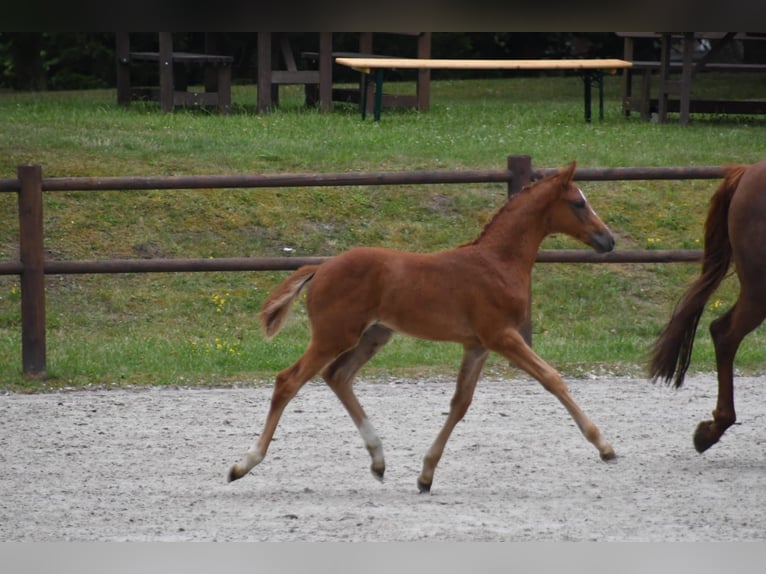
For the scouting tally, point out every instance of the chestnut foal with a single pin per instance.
(476, 295)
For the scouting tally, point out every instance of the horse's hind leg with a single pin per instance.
(512, 346)
(470, 368)
(728, 331)
(339, 375)
(287, 384)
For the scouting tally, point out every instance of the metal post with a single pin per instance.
(363, 95)
(586, 78)
(378, 93)
(521, 168)
(600, 80)
(33, 272)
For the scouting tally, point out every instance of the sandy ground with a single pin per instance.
(150, 465)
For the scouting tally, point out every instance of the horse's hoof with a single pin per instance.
(704, 437)
(234, 474)
(608, 455)
(378, 472)
(423, 488)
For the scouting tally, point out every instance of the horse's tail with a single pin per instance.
(277, 305)
(671, 353)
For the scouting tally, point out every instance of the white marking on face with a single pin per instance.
(585, 199)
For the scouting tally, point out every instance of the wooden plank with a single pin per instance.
(709, 66)
(298, 77)
(701, 106)
(366, 64)
(184, 57)
(195, 99)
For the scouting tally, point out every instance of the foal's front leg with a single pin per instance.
(512, 345)
(470, 368)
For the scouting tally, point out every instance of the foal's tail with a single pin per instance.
(671, 353)
(277, 305)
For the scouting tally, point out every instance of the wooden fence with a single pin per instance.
(32, 265)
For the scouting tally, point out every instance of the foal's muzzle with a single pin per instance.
(602, 241)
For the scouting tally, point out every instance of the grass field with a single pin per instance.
(201, 328)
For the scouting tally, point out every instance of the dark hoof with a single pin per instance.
(423, 488)
(608, 455)
(705, 436)
(234, 474)
(378, 473)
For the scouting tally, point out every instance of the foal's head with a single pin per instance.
(570, 213)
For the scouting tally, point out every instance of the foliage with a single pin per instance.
(86, 60)
(201, 328)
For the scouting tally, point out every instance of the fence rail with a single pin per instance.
(349, 179)
(32, 265)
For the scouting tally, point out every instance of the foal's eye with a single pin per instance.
(579, 204)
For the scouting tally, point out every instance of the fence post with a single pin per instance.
(32, 257)
(521, 168)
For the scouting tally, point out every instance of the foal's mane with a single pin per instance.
(511, 202)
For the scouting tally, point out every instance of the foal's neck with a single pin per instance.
(518, 228)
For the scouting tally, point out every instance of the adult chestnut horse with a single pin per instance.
(735, 231)
(476, 295)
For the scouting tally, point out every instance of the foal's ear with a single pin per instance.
(567, 173)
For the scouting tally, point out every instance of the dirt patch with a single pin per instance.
(151, 465)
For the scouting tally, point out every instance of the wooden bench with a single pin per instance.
(420, 100)
(171, 91)
(590, 69)
(685, 70)
(277, 65)
(646, 105)
(422, 97)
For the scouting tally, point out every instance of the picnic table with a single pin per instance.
(675, 95)
(170, 92)
(279, 65)
(591, 70)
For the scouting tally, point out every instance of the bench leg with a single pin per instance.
(378, 93)
(224, 89)
(586, 78)
(646, 96)
(600, 79)
(363, 98)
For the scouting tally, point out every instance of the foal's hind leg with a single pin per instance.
(339, 375)
(513, 347)
(288, 383)
(728, 331)
(470, 368)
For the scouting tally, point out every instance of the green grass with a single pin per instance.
(201, 328)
